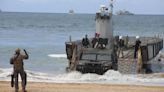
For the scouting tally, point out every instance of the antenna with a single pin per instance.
(111, 6)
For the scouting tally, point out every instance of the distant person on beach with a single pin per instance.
(120, 47)
(137, 45)
(17, 61)
(85, 41)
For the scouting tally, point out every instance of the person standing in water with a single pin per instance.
(18, 67)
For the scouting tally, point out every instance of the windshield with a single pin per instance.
(96, 57)
(88, 57)
(104, 57)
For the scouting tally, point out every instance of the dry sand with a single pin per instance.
(76, 87)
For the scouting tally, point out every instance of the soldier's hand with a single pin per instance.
(26, 54)
(24, 50)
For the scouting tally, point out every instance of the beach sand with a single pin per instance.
(78, 87)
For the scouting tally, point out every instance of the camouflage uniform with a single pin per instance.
(17, 61)
(120, 48)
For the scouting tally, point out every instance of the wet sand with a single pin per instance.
(77, 87)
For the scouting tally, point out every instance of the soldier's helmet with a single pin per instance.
(120, 37)
(137, 37)
(17, 50)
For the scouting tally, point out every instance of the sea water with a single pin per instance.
(43, 35)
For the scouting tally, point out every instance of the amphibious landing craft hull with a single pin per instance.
(99, 60)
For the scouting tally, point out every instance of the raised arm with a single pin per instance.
(26, 55)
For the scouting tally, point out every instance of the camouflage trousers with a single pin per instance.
(23, 77)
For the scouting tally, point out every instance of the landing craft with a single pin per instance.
(100, 59)
(71, 11)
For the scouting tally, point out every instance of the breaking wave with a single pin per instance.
(110, 77)
(57, 55)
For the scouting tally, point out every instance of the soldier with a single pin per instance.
(95, 40)
(120, 47)
(126, 41)
(137, 45)
(17, 61)
(139, 61)
(85, 41)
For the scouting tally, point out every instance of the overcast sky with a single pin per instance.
(82, 6)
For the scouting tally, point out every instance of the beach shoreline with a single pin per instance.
(80, 87)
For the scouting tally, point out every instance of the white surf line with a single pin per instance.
(58, 55)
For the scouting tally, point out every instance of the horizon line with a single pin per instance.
(66, 13)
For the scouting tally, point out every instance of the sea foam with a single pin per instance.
(110, 77)
(57, 55)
